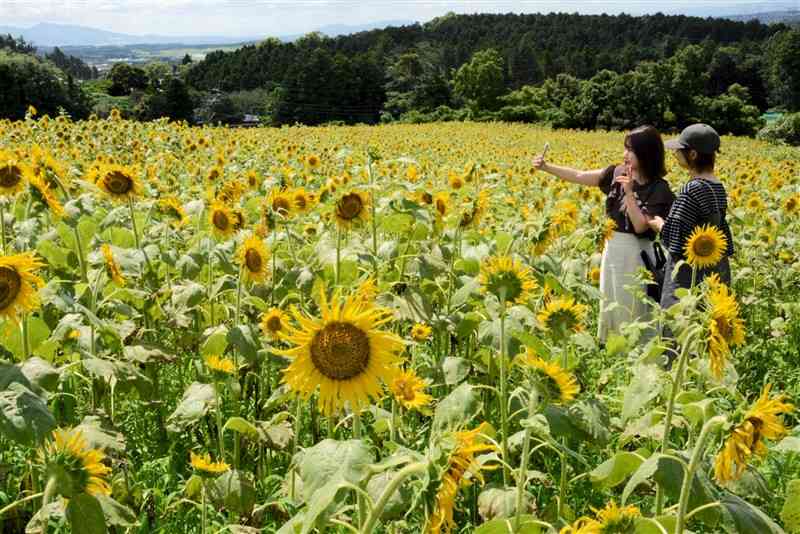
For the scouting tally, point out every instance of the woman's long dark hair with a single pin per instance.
(646, 143)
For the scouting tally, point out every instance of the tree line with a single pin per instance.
(570, 70)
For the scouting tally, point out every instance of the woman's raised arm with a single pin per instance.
(568, 174)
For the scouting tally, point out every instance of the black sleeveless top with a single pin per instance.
(654, 198)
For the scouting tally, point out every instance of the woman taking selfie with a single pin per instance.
(635, 193)
(702, 201)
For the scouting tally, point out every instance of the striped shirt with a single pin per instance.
(696, 203)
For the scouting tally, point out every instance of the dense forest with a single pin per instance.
(569, 70)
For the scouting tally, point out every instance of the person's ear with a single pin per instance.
(692, 155)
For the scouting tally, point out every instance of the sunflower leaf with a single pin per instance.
(457, 409)
(85, 515)
(24, 416)
(197, 400)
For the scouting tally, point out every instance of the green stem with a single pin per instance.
(394, 418)
(3, 226)
(397, 480)
(79, 253)
(220, 437)
(523, 466)
(359, 498)
(676, 387)
(19, 502)
(338, 254)
(686, 487)
(49, 491)
(136, 233)
(503, 393)
(295, 443)
(26, 350)
(203, 505)
(694, 275)
(210, 278)
(274, 265)
(562, 485)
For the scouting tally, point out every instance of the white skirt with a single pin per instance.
(621, 260)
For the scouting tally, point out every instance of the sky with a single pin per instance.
(255, 18)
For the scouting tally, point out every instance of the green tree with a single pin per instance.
(27, 80)
(187, 59)
(481, 81)
(125, 79)
(783, 67)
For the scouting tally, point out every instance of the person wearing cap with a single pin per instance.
(702, 200)
(635, 192)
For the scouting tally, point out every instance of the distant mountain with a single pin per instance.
(48, 35)
(771, 17)
(332, 30)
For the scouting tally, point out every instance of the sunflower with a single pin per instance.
(253, 180)
(461, 462)
(19, 285)
(231, 191)
(562, 315)
(172, 207)
(725, 327)
(420, 332)
(214, 174)
(206, 467)
(273, 323)
(343, 353)
(616, 520)
(222, 219)
(408, 389)
(42, 192)
(441, 202)
(473, 211)
(455, 181)
(77, 468)
(313, 161)
(705, 246)
(558, 384)
(302, 199)
(754, 202)
(13, 174)
(761, 421)
(351, 208)
(280, 202)
(118, 182)
(220, 365)
(583, 525)
(254, 258)
(506, 278)
(412, 174)
(112, 267)
(565, 217)
(594, 275)
(609, 227)
(792, 204)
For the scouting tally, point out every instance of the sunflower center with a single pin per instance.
(10, 175)
(10, 286)
(118, 182)
(300, 202)
(340, 351)
(253, 260)
(408, 391)
(274, 324)
(704, 246)
(441, 207)
(220, 220)
(349, 206)
(427, 198)
(280, 205)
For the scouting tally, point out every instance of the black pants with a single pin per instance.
(684, 278)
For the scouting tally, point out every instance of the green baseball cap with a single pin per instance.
(700, 137)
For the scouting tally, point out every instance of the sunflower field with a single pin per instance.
(378, 329)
